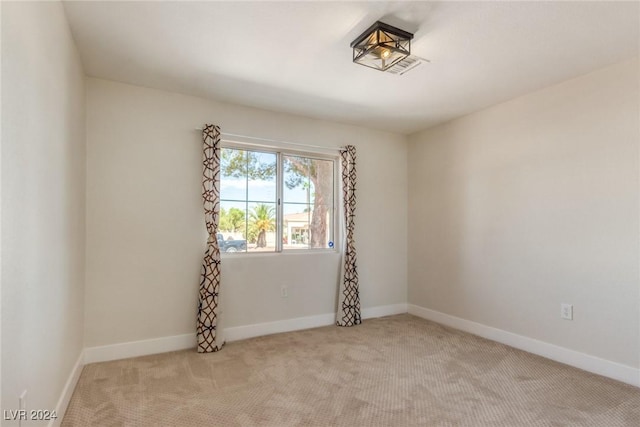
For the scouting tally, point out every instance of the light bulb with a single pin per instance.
(385, 54)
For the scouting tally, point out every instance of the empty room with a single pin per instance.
(312, 213)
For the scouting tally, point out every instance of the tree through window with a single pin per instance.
(276, 201)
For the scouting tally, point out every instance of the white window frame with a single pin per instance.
(280, 151)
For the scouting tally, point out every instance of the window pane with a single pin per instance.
(233, 174)
(308, 203)
(261, 227)
(297, 187)
(295, 225)
(249, 188)
(261, 170)
(321, 180)
(232, 228)
(321, 227)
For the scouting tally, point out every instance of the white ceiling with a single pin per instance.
(295, 57)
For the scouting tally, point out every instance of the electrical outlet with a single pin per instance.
(284, 292)
(566, 311)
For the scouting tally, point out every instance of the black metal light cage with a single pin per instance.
(381, 46)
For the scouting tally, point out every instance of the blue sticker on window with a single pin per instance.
(331, 244)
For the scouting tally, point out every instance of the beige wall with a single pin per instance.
(43, 204)
(145, 229)
(531, 203)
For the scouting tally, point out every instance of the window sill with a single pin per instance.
(241, 255)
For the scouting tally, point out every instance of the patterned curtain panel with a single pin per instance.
(349, 293)
(209, 331)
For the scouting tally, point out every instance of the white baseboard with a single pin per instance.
(289, 325)
(139, 348)
(67, 391)
(384, 310)
(182, 342)
(259, 329)
(596, 365)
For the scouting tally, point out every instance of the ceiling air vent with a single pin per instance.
(407, 64)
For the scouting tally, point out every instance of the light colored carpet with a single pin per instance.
(392, 371)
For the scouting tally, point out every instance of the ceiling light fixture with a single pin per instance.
(381, 46)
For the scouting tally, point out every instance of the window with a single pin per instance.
(274, 201)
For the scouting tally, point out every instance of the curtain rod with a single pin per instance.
(274, 141)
